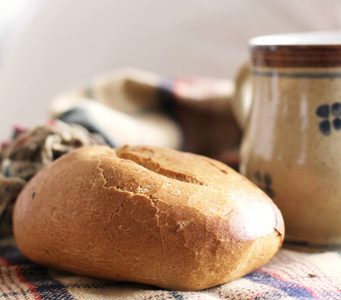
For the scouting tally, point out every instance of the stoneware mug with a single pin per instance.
(288, 100)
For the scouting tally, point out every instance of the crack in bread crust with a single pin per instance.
(153, 201)
(155, 167)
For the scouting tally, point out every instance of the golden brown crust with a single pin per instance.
(145, 214)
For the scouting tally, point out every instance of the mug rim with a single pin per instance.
(306, 39)
(321, 49)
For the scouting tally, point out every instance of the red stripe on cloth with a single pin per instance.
(30, 286)
(288, 281)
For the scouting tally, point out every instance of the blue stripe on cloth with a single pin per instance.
(176, 295)
(291, 289)
(170, 106)
(36, 276)
(85, 118)
(47, 287)
(13, 255)
(14, 295)
(166, 97)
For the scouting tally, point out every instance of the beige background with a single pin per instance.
(48, 46)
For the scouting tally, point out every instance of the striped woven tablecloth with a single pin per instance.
(290, 275)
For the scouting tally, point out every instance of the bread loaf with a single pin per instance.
(144, 214)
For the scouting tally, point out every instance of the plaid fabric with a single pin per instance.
(290, 275)
(135, 107)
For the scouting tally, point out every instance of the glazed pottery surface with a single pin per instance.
(292, 137)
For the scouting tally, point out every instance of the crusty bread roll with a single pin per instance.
(144, 214)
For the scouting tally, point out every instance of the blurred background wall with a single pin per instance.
(49, 46)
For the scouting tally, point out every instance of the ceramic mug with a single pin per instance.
(288, 101)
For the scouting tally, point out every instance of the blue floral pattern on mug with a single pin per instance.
(324, 111)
